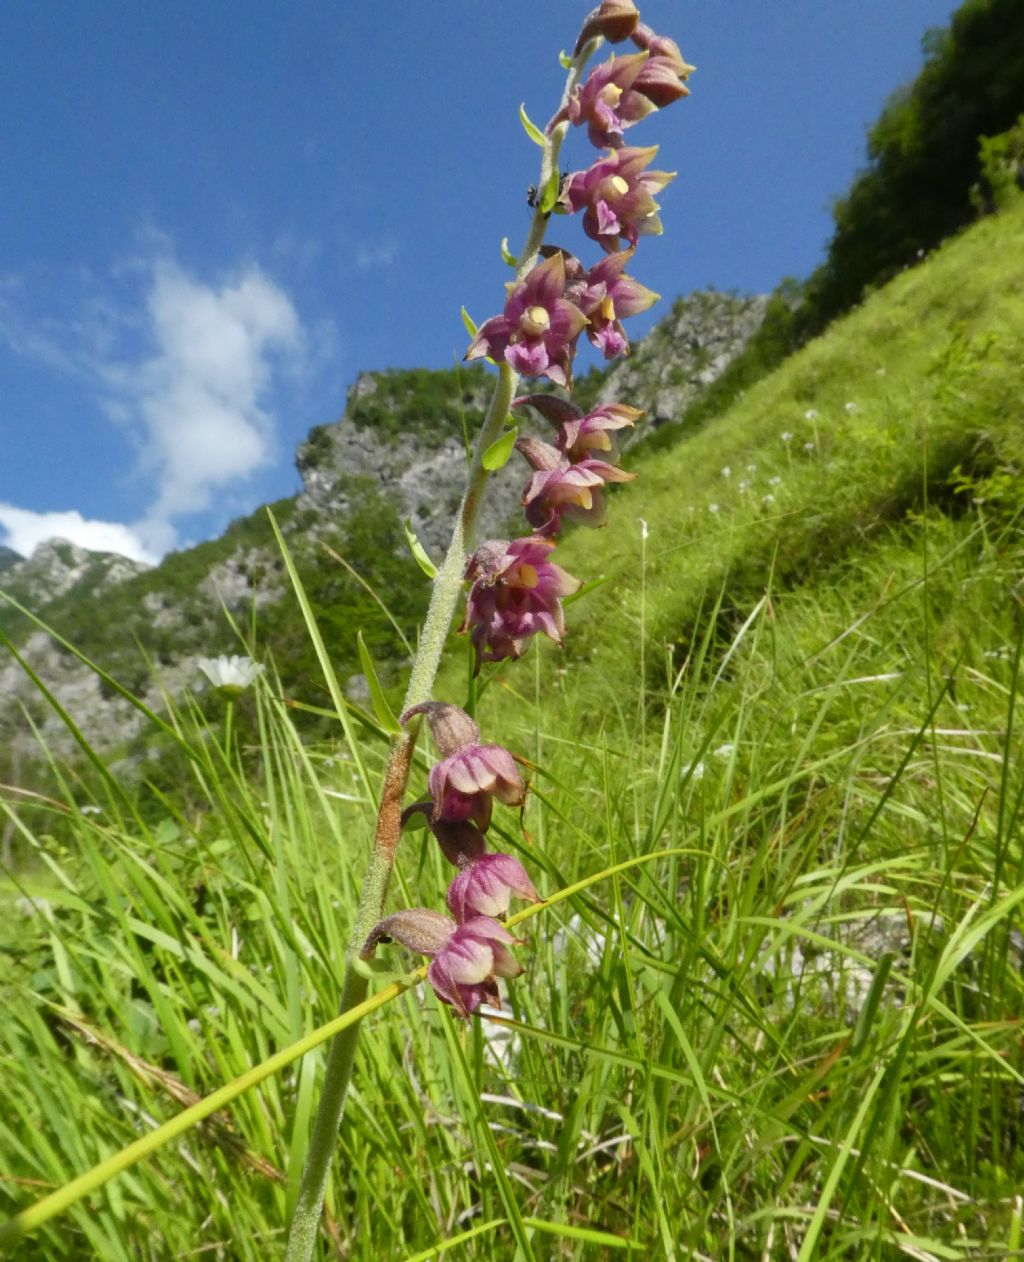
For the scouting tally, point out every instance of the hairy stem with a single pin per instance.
(443, 601)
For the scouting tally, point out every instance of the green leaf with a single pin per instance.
(467, 320)
(531, 129)
(549, 194)
(381, 708)
(564, 60)
(499, 451)
(867, 1013)
(507, 254)
(585, 590)
(419, 551)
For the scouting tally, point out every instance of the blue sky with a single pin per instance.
(217, 214)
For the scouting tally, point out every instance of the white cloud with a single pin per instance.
(23, 530)
(200, 397)
(370, 256)
(195, 403)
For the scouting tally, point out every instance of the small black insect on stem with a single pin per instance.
(533, 193)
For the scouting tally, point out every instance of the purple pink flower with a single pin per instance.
(665, 58)
(465, 783)
(470, 775)
(560, 488)
(607, 297)
(516, 592)
(464, 972)
(608, 102)
(467, 958)
(580, 434)
(616, 195)
(537, 332)
(486, 885)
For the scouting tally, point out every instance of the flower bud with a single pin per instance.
(419, 929)
(461, 841)
(663, 47)
(463, 972)
(451, 728)
(464, 784)
(615, 20)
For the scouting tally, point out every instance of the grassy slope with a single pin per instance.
(930, 370)
(796, 1038)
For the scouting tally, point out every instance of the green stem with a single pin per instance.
(443, 600)
(229, 723)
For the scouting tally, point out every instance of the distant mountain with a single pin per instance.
(8, 557)
(58, 567)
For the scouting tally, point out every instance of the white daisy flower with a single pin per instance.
(230, 675)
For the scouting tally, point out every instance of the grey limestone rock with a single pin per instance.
(684, 354)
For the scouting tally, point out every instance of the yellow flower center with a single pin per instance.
(535, 321)
(607, 308)
(611, 94)
(527, 576)
(583, 496)
(619, 186)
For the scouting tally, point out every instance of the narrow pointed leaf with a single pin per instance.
(468, 321)
(499, 451)
(531, 129)
(380, 705)
(549, 195)
(507, 254)
(419, 551)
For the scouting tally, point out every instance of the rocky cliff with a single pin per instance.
(58, 567)
(684, 354)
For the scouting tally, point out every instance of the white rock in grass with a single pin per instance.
(501, 1042)
(845, 981)
(29, 907)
